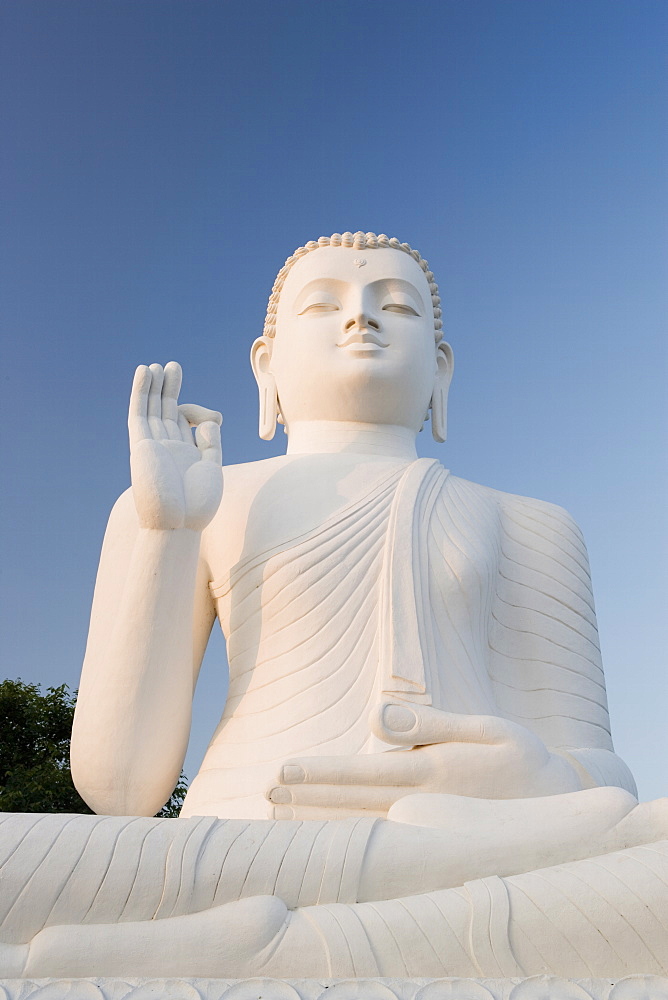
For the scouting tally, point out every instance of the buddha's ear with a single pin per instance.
(445, 361)
(266, 384)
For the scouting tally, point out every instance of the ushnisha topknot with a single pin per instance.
(357, 241)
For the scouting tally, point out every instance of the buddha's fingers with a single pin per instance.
(158, 431)
(138, 409)
(322, 812)
(356, 798)
(421, 725)
(196, 414)
(207, 437)
(392, 769)
(184, 429)
(171, 387)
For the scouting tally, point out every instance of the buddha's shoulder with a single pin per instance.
(247, 475)
(243, 482)
(514, 505)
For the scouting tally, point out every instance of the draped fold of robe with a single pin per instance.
(79, 870)
(601, 917)
(93, 875)
(429, 589)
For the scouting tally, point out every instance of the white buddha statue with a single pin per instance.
(415, 746)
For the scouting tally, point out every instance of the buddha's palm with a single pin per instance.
(176, 479)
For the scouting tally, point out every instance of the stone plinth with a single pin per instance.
(636, 987)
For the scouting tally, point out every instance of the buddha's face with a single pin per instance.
(354, 339)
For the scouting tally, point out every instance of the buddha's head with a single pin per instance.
(353, 333)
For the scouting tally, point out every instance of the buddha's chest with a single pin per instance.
(386, 596)
(303, 550)
(262, 516)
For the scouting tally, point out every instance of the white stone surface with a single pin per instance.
(536, 988)
(348, 576)
(413, 773)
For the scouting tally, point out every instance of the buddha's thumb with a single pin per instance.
(394, 722)
(420, 725)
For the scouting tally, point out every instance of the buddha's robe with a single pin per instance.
(121, 896)
(431, 589)
(606, 916)
(61, 869)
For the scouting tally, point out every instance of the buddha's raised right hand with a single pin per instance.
(176, 481)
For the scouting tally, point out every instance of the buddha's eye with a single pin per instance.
(402, 308)
(319, 303)
(319, 307)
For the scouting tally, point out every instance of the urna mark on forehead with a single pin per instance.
(340, 268)
(381, 255)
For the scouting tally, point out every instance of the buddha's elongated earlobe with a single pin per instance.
(266, 384)
(268, 411)
(439, 400)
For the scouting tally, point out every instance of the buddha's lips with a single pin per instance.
(363, 341)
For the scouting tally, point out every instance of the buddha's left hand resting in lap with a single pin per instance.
(415, 746)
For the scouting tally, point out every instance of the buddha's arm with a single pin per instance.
(150, 623)
(545, 656)
(151, 613)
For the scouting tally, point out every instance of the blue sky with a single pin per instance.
(162, 158)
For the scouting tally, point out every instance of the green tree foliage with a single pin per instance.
(35, 752)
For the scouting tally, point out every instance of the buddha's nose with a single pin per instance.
(362, 321)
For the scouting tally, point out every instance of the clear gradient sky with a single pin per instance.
(160, 160)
